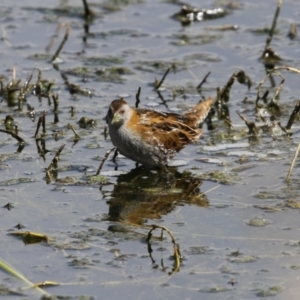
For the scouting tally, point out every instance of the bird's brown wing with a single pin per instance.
(164, 130)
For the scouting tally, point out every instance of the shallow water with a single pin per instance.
(228, 205)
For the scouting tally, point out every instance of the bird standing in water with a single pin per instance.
(151, 137)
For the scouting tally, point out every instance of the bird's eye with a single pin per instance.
(122, 112)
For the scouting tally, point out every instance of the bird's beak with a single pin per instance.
(115, 119)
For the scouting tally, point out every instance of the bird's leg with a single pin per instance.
(115, 155)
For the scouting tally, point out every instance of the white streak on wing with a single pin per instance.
(173, 129)
(144, 119)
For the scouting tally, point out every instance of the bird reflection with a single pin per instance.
(146, 194)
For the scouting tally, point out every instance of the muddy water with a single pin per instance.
(227, 203)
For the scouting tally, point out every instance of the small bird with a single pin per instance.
(152, 137)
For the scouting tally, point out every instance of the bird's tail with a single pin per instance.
(197, 114)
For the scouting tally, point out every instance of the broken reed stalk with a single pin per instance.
(44, 284)
(14, 135)
(21, 99)
(65, 78)
(252, 129)
(283, 129)
(61, 44)
(137, 98)
(228, 123)
(42, 120)
(44, 123)
(203, 81)
(13, 79)
(265, 95)
(269, 38)
(164, 102)
(38, 126)
(41, 151)
(287, 68)
(28, 79)
(55, 158)
(274, 70)
(76, 137)
(163, 79)
(293, 31)
(73, 88)
(225, 92)
(39, 78)
(104, 159)
(55, 102)
(87, 12)
(264, 80)
(278, 90)
(14, 272)
(293, 116)
(273, 102)
(176, 248)
(293, 162)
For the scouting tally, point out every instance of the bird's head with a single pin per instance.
(118, 113)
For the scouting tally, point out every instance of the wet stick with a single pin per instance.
(56, 157)
(203, 81)
(252, 129)
(24, 90)
(287, 68)
(137, 97)
(76, 136)
(265, 95)
(283, 128)
(28, 79)
(39, 78)
(273, 102)
(73, 88)
(278, 90)
(14, 135)
(55, 102)
(58, 29)
(164, 102)
(158, 85)
(38, 126)
(293, 116)
(273, 71)
(104, 159)
(293, 31)
(270, 37)
(55, 56)
(176, 248)
(44, 123)
(88, 13)
(293, 163)
(224, 95)
(41, 121)
(14, 272)
(41, 150)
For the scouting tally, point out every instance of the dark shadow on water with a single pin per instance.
(143, 194)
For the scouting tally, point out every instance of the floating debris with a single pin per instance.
(188, 14)
(29, 237)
